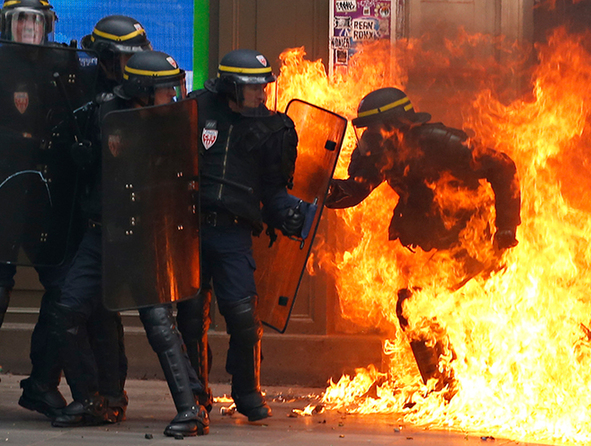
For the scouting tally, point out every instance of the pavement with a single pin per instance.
(151, 408)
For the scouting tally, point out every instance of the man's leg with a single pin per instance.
(106, 339)
(7, 273)
(192, 419)
(193, 320)
(40, 389)
(228, 253)
(244, 357)
(80, 297)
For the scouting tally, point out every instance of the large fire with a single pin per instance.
(521, 329)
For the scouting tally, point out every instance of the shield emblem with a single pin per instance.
(320, 134)
(39, 196)
(114, 143)
(21, 101)
(209, 137)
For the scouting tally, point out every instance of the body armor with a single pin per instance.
(257, 153)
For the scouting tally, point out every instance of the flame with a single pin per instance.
(517, 339)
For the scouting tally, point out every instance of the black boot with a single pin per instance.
(193, 321)
(4, 301)
(40, 390)
(88, 407)
(106, 340)
(90, 412)
(192, 419)
(49, 402)
(244, 358)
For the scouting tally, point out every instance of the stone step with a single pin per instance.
(307, 360)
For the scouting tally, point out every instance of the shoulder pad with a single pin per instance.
(287, 120)
(441, 133)
(277, 121)
(101, 98)
(197, 93)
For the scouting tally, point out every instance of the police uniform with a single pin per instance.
(420, 155)
(414, 156)
(94, 357)
(246, 159)
(144, 72)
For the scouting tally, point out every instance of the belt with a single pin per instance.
(214, 219)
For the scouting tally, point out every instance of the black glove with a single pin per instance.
(293, 221)
(335, 194)
(505, 239)
(82, 153)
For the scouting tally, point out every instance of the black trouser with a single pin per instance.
(101, 333)
(46, 368)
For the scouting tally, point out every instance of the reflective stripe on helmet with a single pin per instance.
(149, 73)
(118, 38)
(387, 107)
(17, 2)
(244, 70)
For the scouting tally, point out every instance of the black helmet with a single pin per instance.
(38, 12)
(241, 67)
(147, 70)
(246, 67)
(115, 35)
(387, 104)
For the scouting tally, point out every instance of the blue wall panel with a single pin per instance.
(169, 24)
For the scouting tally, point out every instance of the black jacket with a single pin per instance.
(255, 152)
(415, 162)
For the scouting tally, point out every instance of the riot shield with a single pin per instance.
(150, 223)
(41, 86)
(280, 267)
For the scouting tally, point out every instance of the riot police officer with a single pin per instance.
(423, 154)
(150, 78)
(32, 22)
(115, 38)
(247, 157)
(27, 21)
(413, 155)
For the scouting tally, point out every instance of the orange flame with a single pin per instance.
(520, 337)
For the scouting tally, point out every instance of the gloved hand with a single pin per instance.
(293, 221)
(82, 153)
(505, 239)
(335, 194)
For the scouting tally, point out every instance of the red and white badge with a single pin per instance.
(262, 60)
(209, 137)
(21, 101)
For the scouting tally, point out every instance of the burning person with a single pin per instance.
(423, 161)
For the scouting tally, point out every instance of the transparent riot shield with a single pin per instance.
(150, 223)
(41, 87)
(280, 267)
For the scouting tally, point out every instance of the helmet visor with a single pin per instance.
(29, 26)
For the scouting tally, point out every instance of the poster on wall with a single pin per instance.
(354, 22)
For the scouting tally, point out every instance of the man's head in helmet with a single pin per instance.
(152, 78)
(116, 38)
(388, 107)
(27, 21)
(242, 78)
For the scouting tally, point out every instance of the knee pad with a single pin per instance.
(160, 328)
(242, 322)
